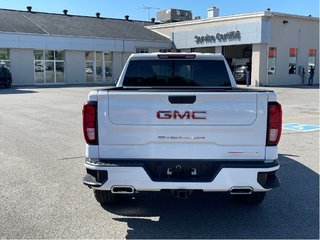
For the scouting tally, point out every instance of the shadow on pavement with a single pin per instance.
(16, 91)
(291, 211)
(301, 86)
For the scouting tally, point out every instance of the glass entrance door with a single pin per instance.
(98, 66)
(48, 66)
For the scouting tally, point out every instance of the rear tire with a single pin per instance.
(104, 197)
(254, 198)
(8, 83)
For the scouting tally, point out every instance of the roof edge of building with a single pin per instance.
(88, 37)
(295, 16)
(230, 17)
(76, 15)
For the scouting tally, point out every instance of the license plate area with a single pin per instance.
(186, 171)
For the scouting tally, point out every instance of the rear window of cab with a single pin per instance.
(177, 73)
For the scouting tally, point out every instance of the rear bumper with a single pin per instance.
(104, 175)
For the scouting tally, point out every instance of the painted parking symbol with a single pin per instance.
(297, 127)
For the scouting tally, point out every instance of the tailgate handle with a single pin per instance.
(182, 99)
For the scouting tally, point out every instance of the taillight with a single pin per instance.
(89, 122)
(274, 123)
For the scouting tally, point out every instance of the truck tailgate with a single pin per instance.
(162, 125)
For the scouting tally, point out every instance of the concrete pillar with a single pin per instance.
(218, 49)
(22, 66)
(118, 62)
(75, 72)
(259, 76)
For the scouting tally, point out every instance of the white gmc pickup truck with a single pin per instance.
(178, 122)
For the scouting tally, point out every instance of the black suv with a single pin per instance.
(5, 77)
(240, 74)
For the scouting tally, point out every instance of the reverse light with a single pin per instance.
(89, 122)
(274, 123)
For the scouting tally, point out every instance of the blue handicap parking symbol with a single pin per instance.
(300, 127)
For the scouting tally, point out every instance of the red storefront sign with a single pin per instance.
(312, 52)
(293, 52)
(272, 52)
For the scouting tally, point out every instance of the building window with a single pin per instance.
(49, 66)
(312, 59)
(95, 72)
(108, 65)
(272, 61)
(292, 60)
(4, 57)
(142, 50)
(89, 66)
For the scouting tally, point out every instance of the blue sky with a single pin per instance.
(136, 8)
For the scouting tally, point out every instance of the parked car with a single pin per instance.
(39, 68)
(89, 70)
(240, 74)
(5, 77)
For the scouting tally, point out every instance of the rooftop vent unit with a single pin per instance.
(174, 15)
(213, 12)
(98, 15)
(65, 12)
(126, 17)
(29, 8)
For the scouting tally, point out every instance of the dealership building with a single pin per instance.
(48, 49)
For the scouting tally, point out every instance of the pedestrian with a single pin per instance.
(291, 70)
(311, 74)
(303, 75)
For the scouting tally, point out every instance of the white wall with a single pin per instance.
(301, 33)
(38, 41)
(75, 67)
(22, 66)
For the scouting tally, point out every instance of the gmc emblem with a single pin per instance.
(182, 115)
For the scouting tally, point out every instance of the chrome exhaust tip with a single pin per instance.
(241, 190)
(122, 190)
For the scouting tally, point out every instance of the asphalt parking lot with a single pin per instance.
(42, 196)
